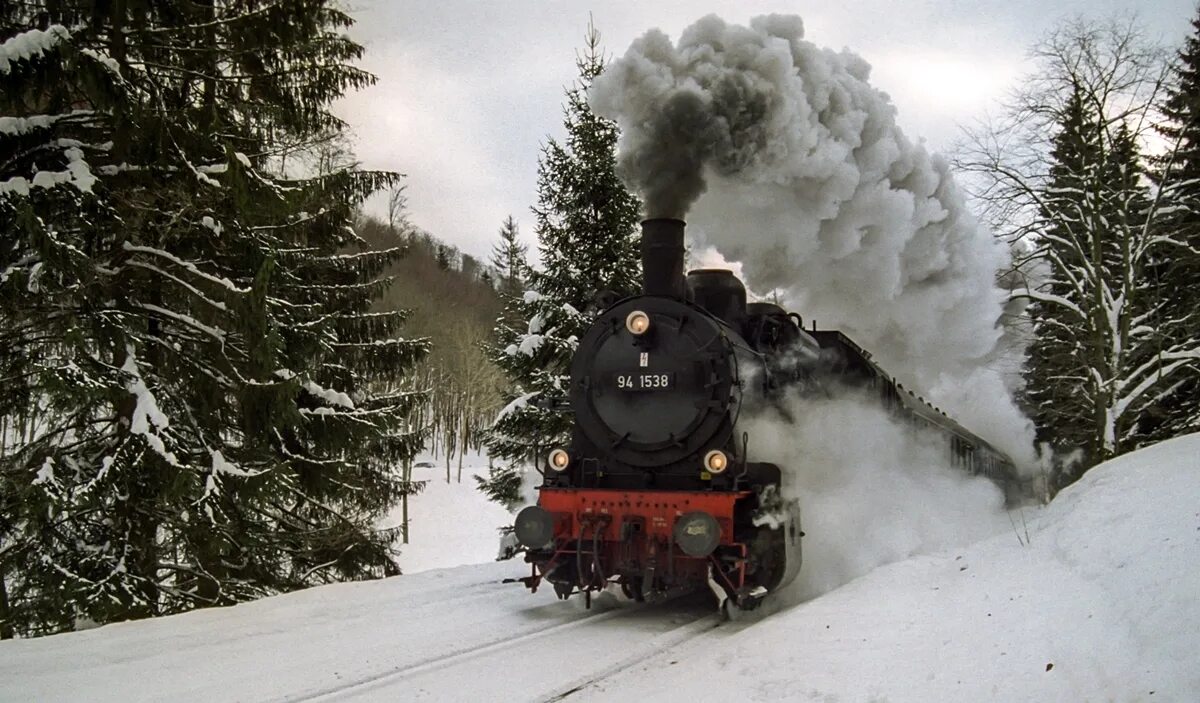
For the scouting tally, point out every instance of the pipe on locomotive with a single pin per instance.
(662, 258)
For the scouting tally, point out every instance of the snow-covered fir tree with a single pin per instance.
(1063, 173)
(1179, 273)
(197, 406)
(588, 243)
(1094, 199)
(1107, 352)
(1052, 373)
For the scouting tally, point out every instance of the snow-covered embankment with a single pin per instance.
(1100, 603)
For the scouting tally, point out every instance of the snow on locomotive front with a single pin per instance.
(655, 491)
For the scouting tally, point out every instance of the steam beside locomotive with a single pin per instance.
(659, 489)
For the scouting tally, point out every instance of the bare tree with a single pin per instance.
(329, 151)
(397, 210)
(1060, 178)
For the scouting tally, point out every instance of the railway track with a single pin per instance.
(640, 654)
(508, 666)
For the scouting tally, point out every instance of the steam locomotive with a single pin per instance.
(658, 491)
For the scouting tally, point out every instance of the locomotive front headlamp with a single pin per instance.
(559, 459)
(716, 461)
(637, 322)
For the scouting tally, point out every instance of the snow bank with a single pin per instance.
(1100, 605)
(287, 647)
(302, 643)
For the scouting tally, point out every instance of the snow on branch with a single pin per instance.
(221, 465)
(212, 225)
(20, 126)
(185, 264)
(78, 174)
(1050, 298)
(1179, 361)
(331, 397)
(377, 343)
(187, 320)
(165, 274)
(30, 44)
(146, 414)
(109, 63)
(519, 403)
(530, 344)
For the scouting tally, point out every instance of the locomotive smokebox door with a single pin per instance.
(652, 404)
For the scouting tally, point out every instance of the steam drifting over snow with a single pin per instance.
(871, 491)
(784, 158)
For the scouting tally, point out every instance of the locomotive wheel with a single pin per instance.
(633, 591)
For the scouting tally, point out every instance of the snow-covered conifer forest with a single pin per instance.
(242, 354)
(202, 406)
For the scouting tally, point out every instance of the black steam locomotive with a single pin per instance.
(657, 490)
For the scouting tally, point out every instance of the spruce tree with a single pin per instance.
(1054, 373)
(198, 407)
(1064, 174)
(588, 243)
(508, 259)
(1096, 369)
(1177, 273)
(442, 256)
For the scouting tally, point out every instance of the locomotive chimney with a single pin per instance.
(662, 257)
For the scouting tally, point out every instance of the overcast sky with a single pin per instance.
(469, 89)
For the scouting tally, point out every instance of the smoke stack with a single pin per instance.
(662, 257)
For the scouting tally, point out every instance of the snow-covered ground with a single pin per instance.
(1100, 603)
(450, 524)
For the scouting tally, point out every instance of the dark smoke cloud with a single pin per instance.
(785, 159)
(723, 102)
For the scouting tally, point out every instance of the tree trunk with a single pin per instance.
(463, 440)
(407, 473)
(6, 626)
(460, 462)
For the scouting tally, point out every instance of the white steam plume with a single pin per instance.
(871, 492)
(785, 159)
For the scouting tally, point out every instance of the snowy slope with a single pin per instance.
(1101, 605)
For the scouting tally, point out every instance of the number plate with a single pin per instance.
(643, 381)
